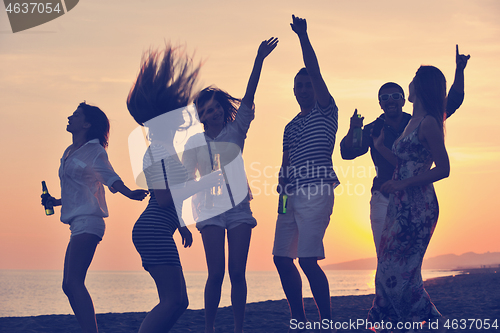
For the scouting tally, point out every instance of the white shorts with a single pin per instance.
(378, 212)
(240, 214)
(299, 232)
(87, 224)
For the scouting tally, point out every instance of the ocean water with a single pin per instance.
(38, 292)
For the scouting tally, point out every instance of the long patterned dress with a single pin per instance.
(411, 218)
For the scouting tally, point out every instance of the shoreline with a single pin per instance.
(40, 292)
(475, 294)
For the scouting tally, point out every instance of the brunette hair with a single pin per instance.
(302, 71)
(430, 88)
(165, 82)
(99, 128)
(229, 103)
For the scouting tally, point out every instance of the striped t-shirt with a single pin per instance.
(310, 140)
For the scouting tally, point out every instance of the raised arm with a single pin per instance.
(461, 60)
(456, 93)
(299, 26)
(265, 48)
(355, 122)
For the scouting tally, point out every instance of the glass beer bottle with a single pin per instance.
(49, 208)
(357, 136)
(216, 190)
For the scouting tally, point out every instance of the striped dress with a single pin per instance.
(153, 232)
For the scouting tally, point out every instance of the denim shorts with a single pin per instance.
(240, 214)
(87, 224)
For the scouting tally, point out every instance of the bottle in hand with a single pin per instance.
(282, 204)
(216, 190)
(49, 208)
(357, 136)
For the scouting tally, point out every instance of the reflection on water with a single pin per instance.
(31, 293)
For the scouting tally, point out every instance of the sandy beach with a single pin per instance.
(468, 299)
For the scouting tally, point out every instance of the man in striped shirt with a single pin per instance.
(308, 179)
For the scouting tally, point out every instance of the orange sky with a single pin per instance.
(93, 52)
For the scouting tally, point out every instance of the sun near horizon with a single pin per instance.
(93, 53)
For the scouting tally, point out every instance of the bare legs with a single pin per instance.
(79, 254)
(238, 240)
(292, 286)
(173, 299)
(213, 241)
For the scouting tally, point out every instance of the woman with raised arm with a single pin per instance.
(226, 121)
(413, 208)
(84, 169)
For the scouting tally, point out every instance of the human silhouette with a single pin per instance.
(84, 170)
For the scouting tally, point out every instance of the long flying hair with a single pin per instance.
(430, 88)
(99, 128)
(165, 82)
(229, 103)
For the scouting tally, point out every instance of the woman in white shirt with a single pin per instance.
(226, 121)
(84, 170)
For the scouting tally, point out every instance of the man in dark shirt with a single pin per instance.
(392, 100)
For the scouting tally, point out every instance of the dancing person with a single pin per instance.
(83, 171)
(226, 121)
(412, 212)
(392, 99)
(163, 87)
(308, 179)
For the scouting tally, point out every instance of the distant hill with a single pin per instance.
(447, 261)
(368, 263)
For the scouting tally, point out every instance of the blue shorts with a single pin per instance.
(87, 224)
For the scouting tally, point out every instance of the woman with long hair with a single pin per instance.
(161, 91)
(226, 121)
(84, 169)
(413, 208)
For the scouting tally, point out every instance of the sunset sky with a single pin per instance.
(93, 53)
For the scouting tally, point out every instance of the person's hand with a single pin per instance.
(378, 142)
(461, 60)
(138, 195)
(392, 186)
(299, 25)
(187, 237)
(47, 198)
(267, 46)
(281, 187)
(355, 120)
